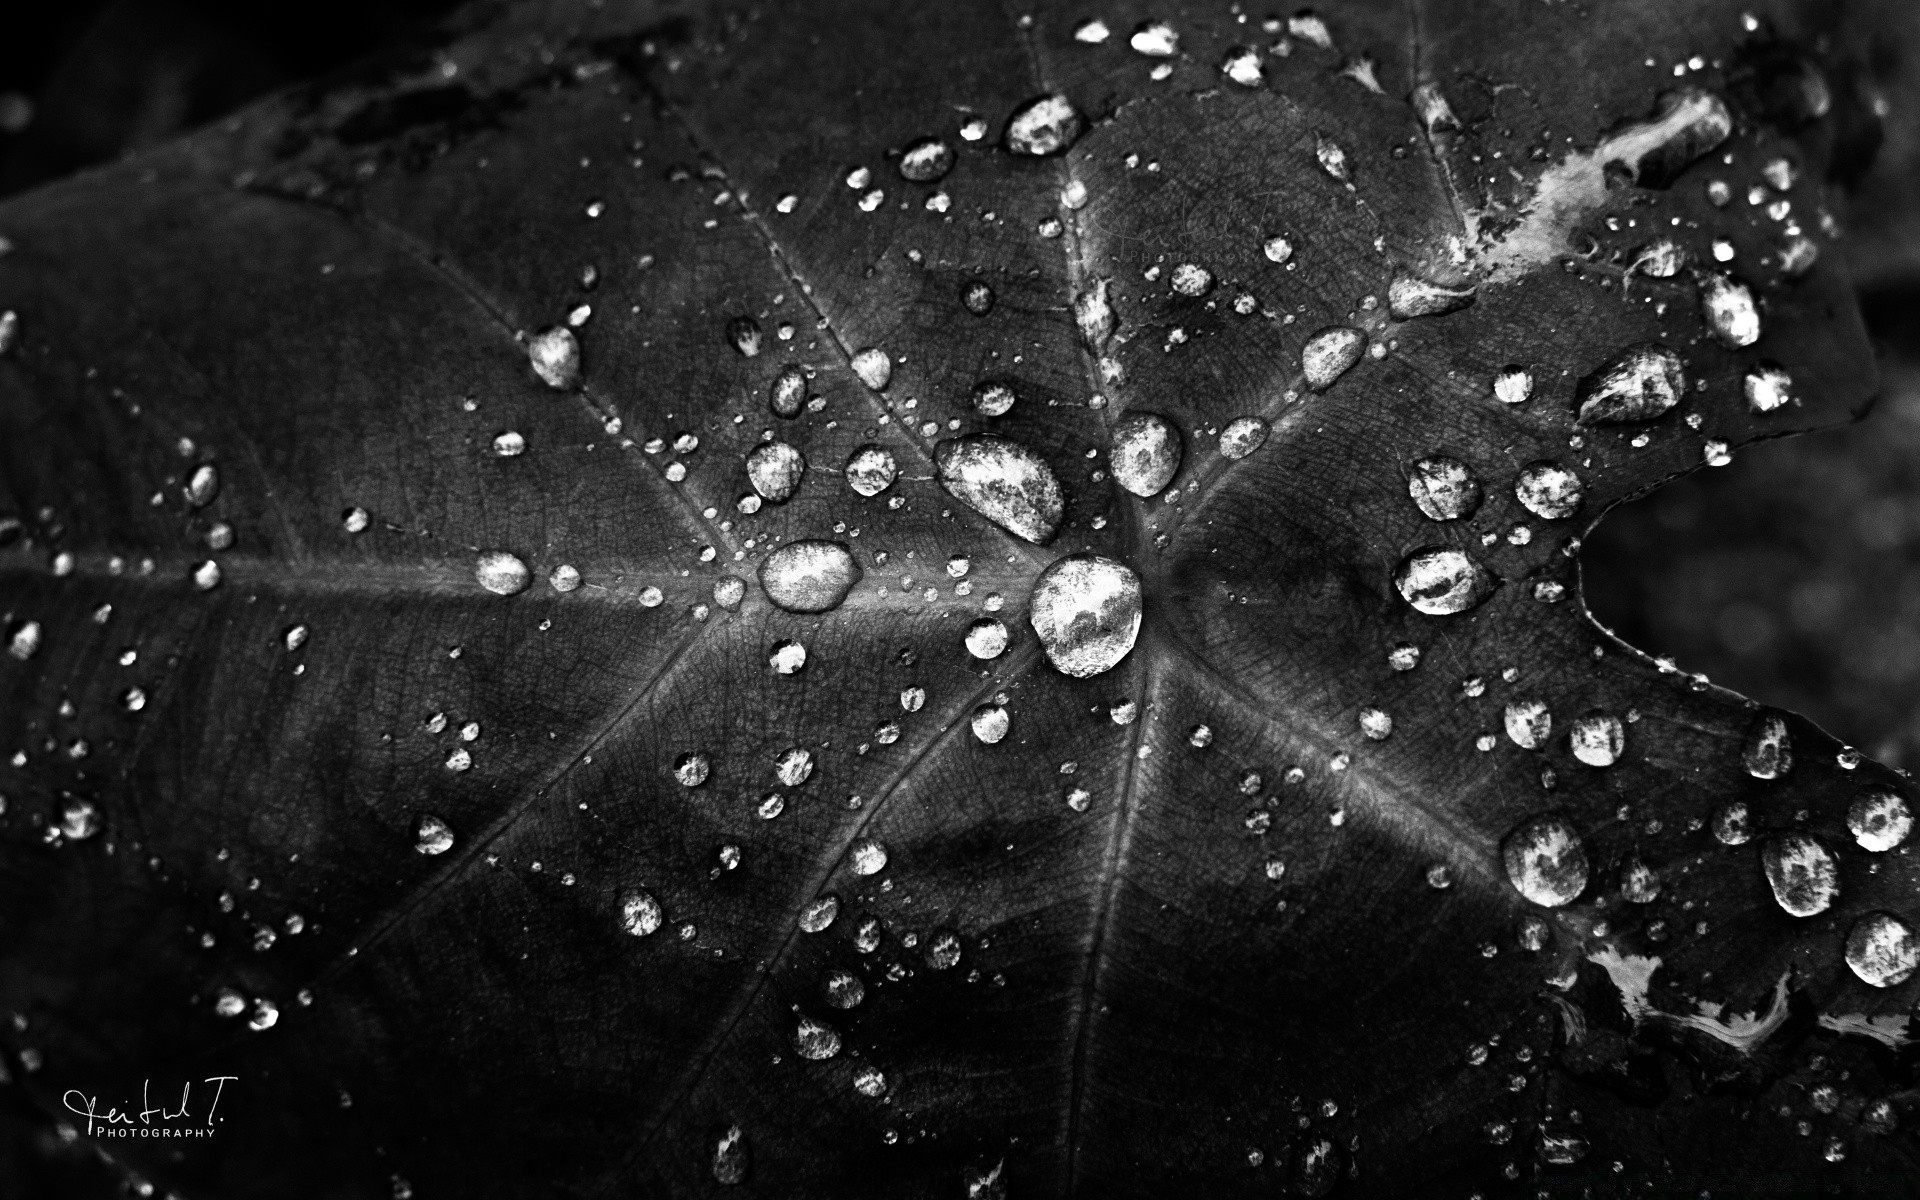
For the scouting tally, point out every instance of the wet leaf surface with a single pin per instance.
(474, 767)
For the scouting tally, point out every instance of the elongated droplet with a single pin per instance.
(926, 160)
(1145, 452)
(1443, 488)
(1879, 819)
(789, 392)
(1529, 723)
(1242, 437)
(203, 486)
(1409, 297)
(1005, 482)
(1597, 739)
(809, 576)
(1802, 873)
(431, 835)
(730, 1157)
(1094, 315)
(501, 573)
(1546, 860)
(1086, 610)
(1329, 353)
(1882, 949)
(1638, 384)
(1441, 582)
(555, 357)
(1729, 310)
(1548, 490)
(1044, 125)
(1688, 123)
(1767, 752)
(775, 470)
(743, 334)
(871, 470)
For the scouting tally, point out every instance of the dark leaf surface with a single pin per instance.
(1242, 913)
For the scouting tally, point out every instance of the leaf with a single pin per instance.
(535, 850)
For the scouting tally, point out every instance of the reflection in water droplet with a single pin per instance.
(993, 399)
(555, 357)
(1044, 125)
(729, 591)
(1729, 310)
(1638, 384)
(431, 835)
(1803, 874)
(1242, 437)
(1156, 39)
(871, 470)
(502, 573)
(775, 470)
(1548, 490)
(1440, 582)
(789, 392)
(691, 769)
(1086, 610)
(1408, 297)
(203, 486)
(977, 296)
(990, 723)
(1546, 860)
(1005, 482)
(640, 913)
(1329, 353)
(819, 914)
(1443, 488)
(809, 576)
(1529, 723)
(1514, 385)
(1767, 752)
(509, 444)
(867, 857)
(1145, 452)
(1639, 883)
(1242, 65)
(1882, 949)
(1597, 739)
(987, 638)
(1879, 819)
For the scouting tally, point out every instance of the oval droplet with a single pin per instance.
(1879, 819)
(926, 161)
(743, 334)
(1513, 385)
(1768, 388)
(1044, 125)
(809, 576)
(1409, 297)
(1005, 482)
(775, 470)
(554, 355)
(1597, 739)
(1094, 315)
(1638, 384)
(1882, 949)
(873, 367)
(640, 913)
(1548, 490)
(1242, 436)
(1086, 611)
(1443, 488)
(1767, 752)
(1329, 353)
(1145, 453)
(1441, 582)
(1546, 860)
(871, 470)
(1529, 723)
(993, 399)
(1803, 874)
(789, 392)
(987, 638)
(501, 573)
(1729, 310)
(431, 835)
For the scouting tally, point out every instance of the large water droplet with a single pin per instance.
(1329, 353)
(1882, 949)
(1443, 488)
(431, 835)
(1044, 125)
(640, 913)
(1879, 818)
(809, 576)
(1729, 310)
(1145, 452)
(1440, 582)
(871, 470)
(990, 723)
(1597, 739)
(1513, 385)
(1802, 873)
(1548, 490)
(775, 470)
(1086, 610)
(1767, 752)
(873, 367)
(1529, 723)
(501, 573)
(926, 161)
(789, 392)
(1409, 297)
(1005, 482)
(987, 638)
(1156, 39)
(1638, 384)
(993, 399)
(555, 357)
(1768, 388)
(1242, 436)
(1546, 860)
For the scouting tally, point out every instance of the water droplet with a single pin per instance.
(1332, 159)
(789, 392)
(1145, 452)
(990, 723)
(1546, 860)
(1094, 315)
(815, 1041)
(1443, 488)
(640, 913)
(1005, 482)
(1882, 949)
(1156, 39)
(509, 444)
(819, 914)
(867, 857)
(1191, 280)
(912, 699)
(354, 520)
(203, 486)
(1638, 384)
(1242, 65)
(1529, 723)
(691, 769)
(1409, 297)
(977, 297)
(1329, 353)
(229, 1003)
(1513, 385)
(730, 1157)
(1597, 739)
(870, 1082)
(1242, 436)
(843, 989)
(793, 767)
(1440, 582)
(987, 638)
(775, 470)
(1803, 874)
(743, 334)
(206, 576)
(926, 161)
(1879, 818)
(431, 835)
(993, 399)
(1404, 657)
(1548, 490)
(79, 819)
(873, 367)
(1729, 310)
(555, 357)
(1732, 824)
(266, 1014)
(1092, 31)
(787, 657)
(1044, 125)
(1639, 883)
(24, 642)
(295, 638)
(1768, 388)
(1376, 724)
(501, 573)
(1086, 610)
(1767, 752)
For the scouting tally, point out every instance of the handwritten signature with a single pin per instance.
(171, 1122)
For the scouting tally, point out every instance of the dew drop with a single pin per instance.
(1546, 860)
(1597, 739)
(1155, 39)
(1639, 384)
(555, 356)
(1093, 314)
(1879, 819)
(1729, 310)
(977, 297)
(1329, 353)
(1242, 65)
(990, 723)
(730, 1157)
(787, 657)
(1768, 388)
(819, 914)
(993, 399)
(1044, 125)
(867, 857)
(509, 444)
(501, 573)
(1242, 436)
(24, 642)
(789, 392)
(1086, 610)
(926, 161)
(1882, 949)
(815, 1041)
(1732, 824)
(743, 334)
(203, 486)
(1529, 723)
(987, 638)
(1005, 482)
(1803, 874)
(1409, 297)
(1440, 582)
(775, 470)
(1548, 490)
(873, 367)
(431, 835)
(1443, 488)
(640, 913)
(1513, 385)
(1767, 752)
(1145, 452)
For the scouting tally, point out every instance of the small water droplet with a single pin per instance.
(640, 913)
(1729, 310)
(1242, 436)
(431, 835)
(871, 470)
(788, 393)
(691, 769)
(509, 444)
(555, 356)
(1156, 39)
(203, 486)
(501, 573)
(787, 657)
(1145, 452)
(1094, 315)
(926, 161)
(1529, 723)
(1546, 860)
(1597, 739)
(867, 857)
(1086, 610)
(977, 297)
